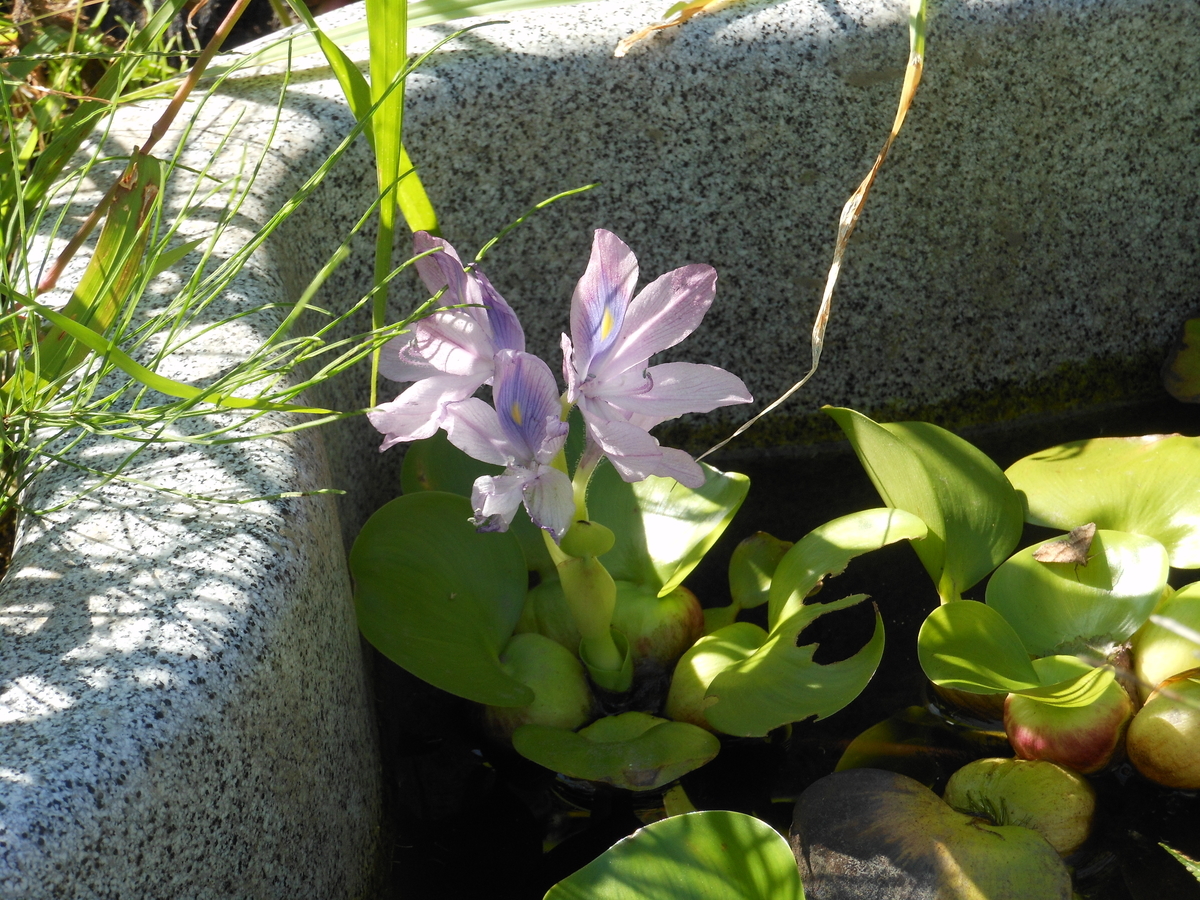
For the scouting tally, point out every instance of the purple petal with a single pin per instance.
(550, 501)
(455, 342)
(636, 454)
(495, 499)
(673, 389)
(400, 361)
(417, 412)
(473, 427)
(528, 405)
(506, 329)
(663, 314)
(601, 298)
(444, 270)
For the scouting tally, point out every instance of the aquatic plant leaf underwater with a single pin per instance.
(1143, 485)
(714, 854)
(423, 608)
(973, 513)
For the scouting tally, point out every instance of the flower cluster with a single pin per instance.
(476, 340)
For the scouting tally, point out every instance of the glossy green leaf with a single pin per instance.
(779, 683)
(663, 529)
(439, 598)
(1145, 485)
(1051, 605)
(752, 566)
(1069, 682)
(713, 854)
(634, 751)
(969, 646)
(435, 464)
(828, 549)
(973, 513)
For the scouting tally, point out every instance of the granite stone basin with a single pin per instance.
(184, 710)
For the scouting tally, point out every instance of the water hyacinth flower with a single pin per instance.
(448, 354)
(523, 433)
(605, 360)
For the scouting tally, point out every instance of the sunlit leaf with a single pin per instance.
(1145, 485)
(1069, 682)
(828, 549)
(663, 529)
(779, 683)
(713, 854)
(973, 513)
(634, 751)
(1052, 604)
(970, 647)
(106, 282)
(752, 566)
(439, 598)
(410, 193)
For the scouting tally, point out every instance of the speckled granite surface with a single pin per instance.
(183, 710)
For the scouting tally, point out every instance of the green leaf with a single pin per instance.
(102, 346)
(168, 258)
(973, 513)
(714, 855)
(969, 646)
(1145, 485)
(634, 751)
(106, 282)
(1069, 682)
(828, 549)
(74, 129)
(410, 193)
(752, 566)
(1050, 605)
(439, 598)
(434, 464)
(663, 529)
(778, 683)
(1187, 862)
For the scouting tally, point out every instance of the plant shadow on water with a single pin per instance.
(468, 818)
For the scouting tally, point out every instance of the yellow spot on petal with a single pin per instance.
(515, 412)
(606, 324)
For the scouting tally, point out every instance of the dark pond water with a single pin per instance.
(466, 820)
